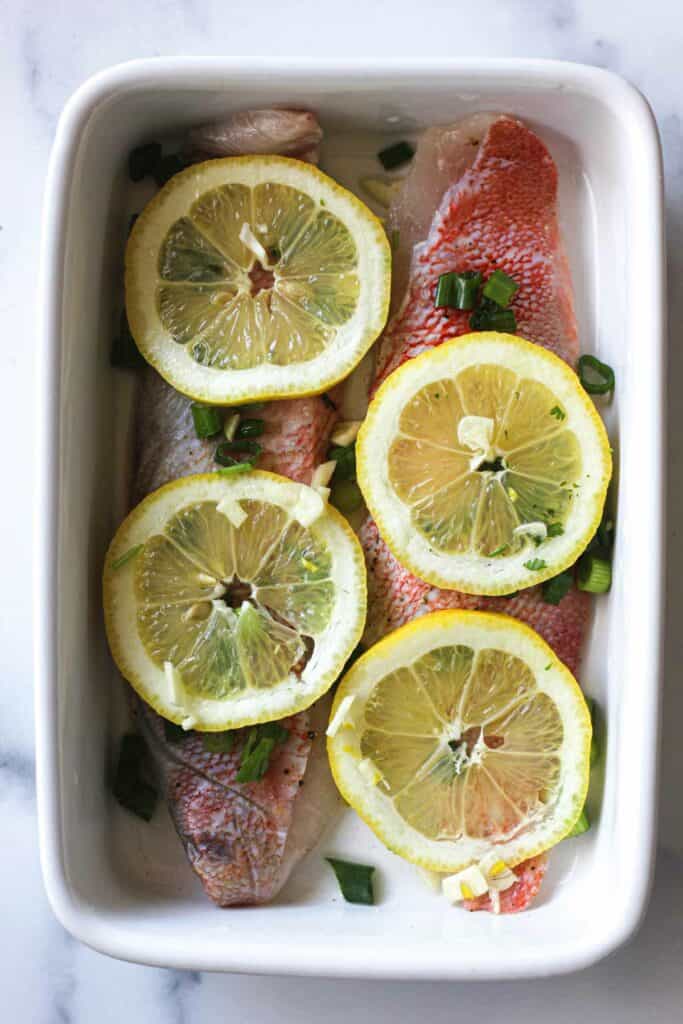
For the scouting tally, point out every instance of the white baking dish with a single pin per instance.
(123, 887)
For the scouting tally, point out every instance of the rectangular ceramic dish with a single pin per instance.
(122, 886)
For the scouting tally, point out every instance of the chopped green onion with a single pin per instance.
(124, 354)
(355, 880)
(239, 467)
(597, 378)
(261, 742)
(250, 428)
(244, 444)
(143, 159)
(535, 564)
(224, 457)
(604, 535)
(346, 496)
(458, 291)
(555, 589)
(218, 742)
(131, 788)
(490, 317)
(499, 551)
(500, 288)
(555, 529)
(127, 556)
(207, 420)
(596, 723)
(557, 413)
(166, 167)
(595, 574)
(174, 733)
(582, 825)
(395, 155)
(345, 457)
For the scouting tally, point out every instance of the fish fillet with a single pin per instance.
(242, 839)
(499, 211)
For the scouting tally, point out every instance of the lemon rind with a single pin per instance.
(337, 641)
(267, 381)
(402, 647)
(477, 574)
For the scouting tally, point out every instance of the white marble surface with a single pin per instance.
(48, 48)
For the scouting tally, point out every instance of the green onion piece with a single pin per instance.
(582, 825)
(458, 291)
(555, 529)
(124, 354)
(345, 457)
(596, 721)
(250, 428)
(490, 317)
(595, 574)
(605, 533)
(499, 551)
(346, 496)
(555, 589)
(131, 788)
(535, 564)
(355, 880)
(558, 413)
(396, 155)
(597, 378)
(500, 288)
(174, 733)
(224, 452)
(166, 168)
(261, 742)
(218, 742)
(143, 159)
(127, 556)
(207, 420)
(239, 467)
(243, 444)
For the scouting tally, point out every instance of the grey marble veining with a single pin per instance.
(48, 49)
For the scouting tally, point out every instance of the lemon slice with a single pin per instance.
(462, 732)
(484, 464)
(255, 277)
(233, 600)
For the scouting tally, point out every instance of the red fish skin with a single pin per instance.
(501, 214)
(395, 597)
(530, 874)
(233, 833)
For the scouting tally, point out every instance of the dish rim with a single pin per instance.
(77, 917)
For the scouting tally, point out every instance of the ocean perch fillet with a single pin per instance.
(499, 211)
(242, 839)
